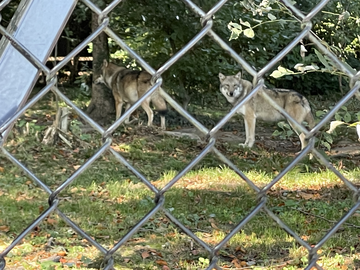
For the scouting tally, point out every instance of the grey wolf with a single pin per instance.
(128, 86)
(234, 88)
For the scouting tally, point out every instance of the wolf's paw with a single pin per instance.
(244, 145)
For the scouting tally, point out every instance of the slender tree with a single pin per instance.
(101, 107)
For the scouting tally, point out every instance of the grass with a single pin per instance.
(107, 201)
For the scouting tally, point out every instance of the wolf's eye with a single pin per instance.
(225, 87)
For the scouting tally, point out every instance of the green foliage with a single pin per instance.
(75, 126)
(285, 130)
(236, 29)
(30, 126)
(326, 140)
(204, 262)
(336, 25)
(343, 117)
(79, 27)
(257, 30)
(159, 30)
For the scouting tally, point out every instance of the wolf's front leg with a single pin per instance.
(250, 122)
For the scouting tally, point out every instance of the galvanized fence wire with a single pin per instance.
(159, 198)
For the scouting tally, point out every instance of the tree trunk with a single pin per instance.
(73, 66)
(102, 105)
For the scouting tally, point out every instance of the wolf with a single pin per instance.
(128, 86)
(234, 88)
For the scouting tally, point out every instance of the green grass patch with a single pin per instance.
(108, 200)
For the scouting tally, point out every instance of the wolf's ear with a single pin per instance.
(105, 63)
(238, 76)
(221, 77)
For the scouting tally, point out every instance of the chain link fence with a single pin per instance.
(258, 82)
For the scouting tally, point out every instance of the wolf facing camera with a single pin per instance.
(234, 88)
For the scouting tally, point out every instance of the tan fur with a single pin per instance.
(128, 86)
(235, 89)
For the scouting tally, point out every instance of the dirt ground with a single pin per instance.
(264, 139)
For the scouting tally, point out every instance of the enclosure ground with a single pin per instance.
(107, 201)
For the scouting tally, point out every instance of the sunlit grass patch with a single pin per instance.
(107, 200)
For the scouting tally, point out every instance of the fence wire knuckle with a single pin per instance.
(158, 194)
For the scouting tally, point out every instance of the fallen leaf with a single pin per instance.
(145, 254)
(306, 196)
(243, 263)
(241, 249)
(51, 221)
(161, 262)
(61, 253)
(305, 237)
(4, 228)
(236, 263)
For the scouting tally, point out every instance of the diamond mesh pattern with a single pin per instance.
(207, 24)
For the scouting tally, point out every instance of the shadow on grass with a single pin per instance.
(107, 201)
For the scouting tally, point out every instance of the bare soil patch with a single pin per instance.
(264, 139)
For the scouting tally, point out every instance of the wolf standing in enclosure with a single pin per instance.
(235, 89)
(128, 86)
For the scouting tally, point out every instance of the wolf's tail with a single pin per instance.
(159, 104)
